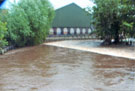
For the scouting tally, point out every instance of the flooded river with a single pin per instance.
(46, 68)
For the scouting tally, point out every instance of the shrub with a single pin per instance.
(3, 30)
(29, 22)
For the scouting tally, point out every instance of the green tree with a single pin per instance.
(3, 30)
(128, 18)
(29, 22)
(111, 17)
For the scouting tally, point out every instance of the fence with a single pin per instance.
(69, 37)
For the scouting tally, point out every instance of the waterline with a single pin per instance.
(94, 46)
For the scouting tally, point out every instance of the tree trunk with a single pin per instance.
(117, 39)
(117, 28)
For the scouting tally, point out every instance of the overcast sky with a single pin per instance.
(81, 3)
(59, 3)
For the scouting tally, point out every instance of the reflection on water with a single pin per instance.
(44, 68)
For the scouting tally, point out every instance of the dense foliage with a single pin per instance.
(29, 22)
(3, 30)
(114, 19)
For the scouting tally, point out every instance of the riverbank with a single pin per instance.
(6, 49)
(95, 47)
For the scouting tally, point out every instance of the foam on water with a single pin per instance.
(94, 46)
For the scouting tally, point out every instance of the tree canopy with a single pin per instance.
(3, 30)
(29, 21)
(114, 19)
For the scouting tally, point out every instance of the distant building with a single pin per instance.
(71, 20)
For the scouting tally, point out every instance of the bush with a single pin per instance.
(3, 30)
(114, 19)
(29, 22)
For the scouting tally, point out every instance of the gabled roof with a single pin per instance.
(71, 16)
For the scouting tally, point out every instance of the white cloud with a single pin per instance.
(60, 3)
(57, 3)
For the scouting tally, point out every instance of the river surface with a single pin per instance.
(46, 68)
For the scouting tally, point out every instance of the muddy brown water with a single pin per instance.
(46, 68)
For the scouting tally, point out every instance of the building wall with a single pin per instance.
(70, 31)
(71, 20)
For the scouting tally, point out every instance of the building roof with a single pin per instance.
(71, 16)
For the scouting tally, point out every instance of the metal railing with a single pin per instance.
(69, 37)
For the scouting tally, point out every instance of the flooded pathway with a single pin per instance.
(46, 68)
(95, 46)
